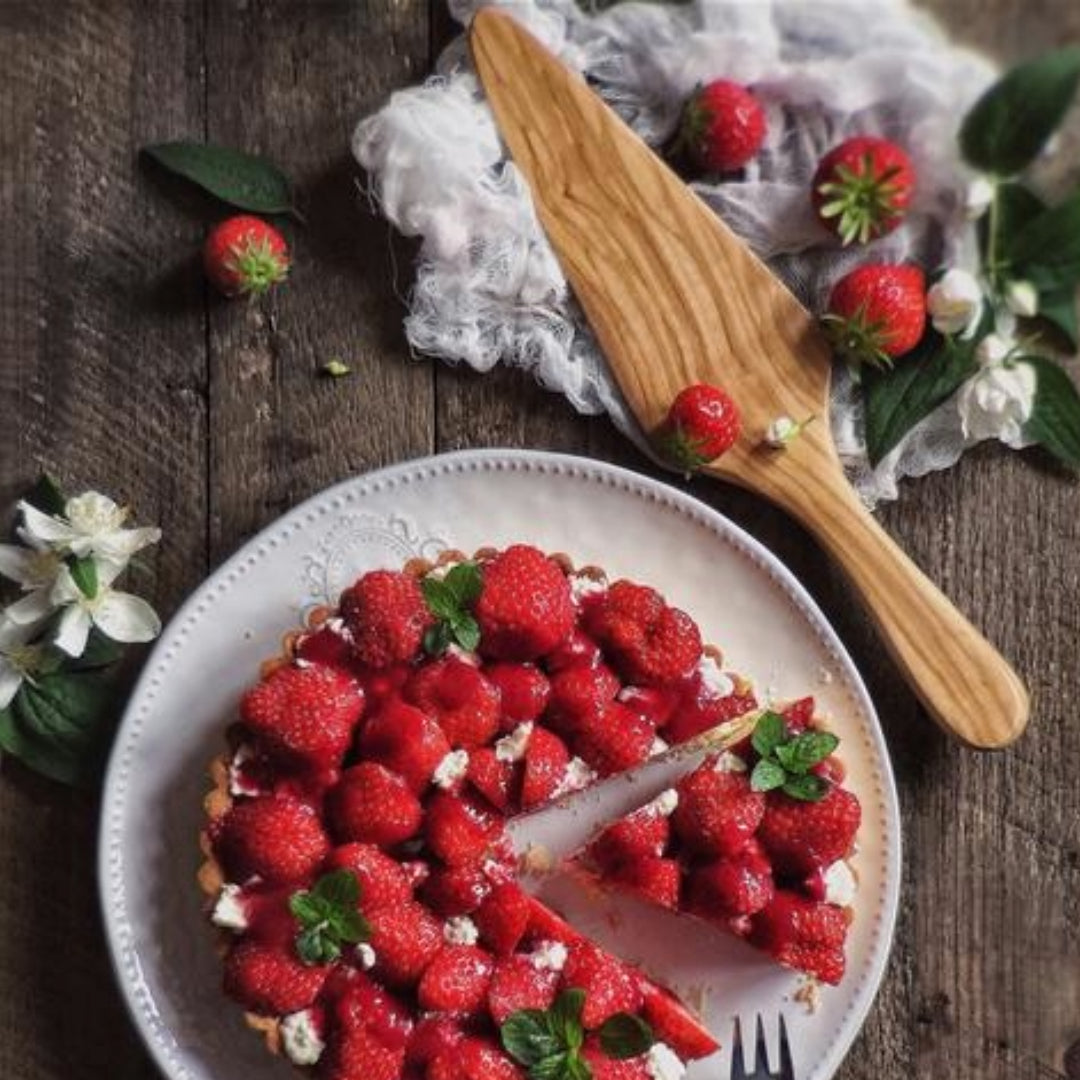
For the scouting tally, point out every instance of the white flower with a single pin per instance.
(119, 615)
(980, 194)
(92, 525)
(1021, 298)
(34, 570)
(955, 303)
(17, 657)
(993, 349)
(996, 403)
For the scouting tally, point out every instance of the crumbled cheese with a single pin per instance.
(840, 884)
(713, 679)
(578, 775)
(366, 955)
(460, 930)
(301, 1039)
(549, 956)
(438, 573)
(451, 769)
(581, 585)
(458, 653)
(238, 783)
(512, 747)
(729, 762)
(658, 746)
(662, 1063)
(229, 911)
(664, 804)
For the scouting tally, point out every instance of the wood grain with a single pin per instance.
(115, 367)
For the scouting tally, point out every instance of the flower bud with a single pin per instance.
(980, 194)
(1022, 299)
(955, 303)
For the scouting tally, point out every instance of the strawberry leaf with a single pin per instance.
(1058, 306)
(625, 1036)
(1055, 416)
(1008, 126)
(1047, 249)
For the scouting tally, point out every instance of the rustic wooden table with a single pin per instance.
(118, 369)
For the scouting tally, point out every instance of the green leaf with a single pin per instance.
(565, 1014)
(437, 638)
(328, 917)
(527, 1037)
(243, 180)
(1055, 414)
(466, 631)
(465, 583)
(898, 398)
(84, 574)
(60, 726)
(767, 775)
(807, 750)
(316, 946)
(1046, 250)
(1017, 207)
(808, 788)
(100, 651)
(46, 496)
(350, 926)
(625, 1036)
(308, 908)
(339, 889)
(769, 732)
(1008, 126)
(577, 1068)
(440, 598)
(1058, 306)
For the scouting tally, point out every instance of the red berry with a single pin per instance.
(481, 1059)
(406, 740)
(603, 1067)
(702, 423)
(458, 695)
(610, 986)
(325, 647)
(359, 1054)
(458, 830)
(492, 777)
(456, 890)
(656, 703)
(862, 188)
(305, 713)
(383, 883)
(503, 918)
(545, 925)
(877, 312)
(732, 887)
(717, 812)
(373, 805)
(723, 126)
(405, 939)
(641, 835)
(243, 255)
(615, 739)
(578, 692)
(798, 714)
(674, 1024)
(803, 934)
(546, 758)
(277, 838)
(578, 650)
(657, 880)
(516, 984)
(801, 836)
(524, 609)
(386, 615)
(360, 1003)
(699, 710)
(268, 979)
(434, 1034)
(523, 693)
(456, 980)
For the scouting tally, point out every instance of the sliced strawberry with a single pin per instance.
(798, 714)
(801, 836)
(700, 707)
(269, 979)
(405, 939)
(456, 980)
(516, 984)
(503, 918)
(610, 986)
(603, 1067)
(460, 697)
(523, 693)
(383, 882)
(546, 758)
(546, 925)
(614, 740)
(717, 811)
(456, 890)
(657, 880)
(492, 777)
(406, 740)
(373, 805)
(643, 834)
(458, 830)
(277, 838)
(674, 1024)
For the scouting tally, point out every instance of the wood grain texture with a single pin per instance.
(115, 367)
(674, 299)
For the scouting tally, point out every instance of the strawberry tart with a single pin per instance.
(366, 896)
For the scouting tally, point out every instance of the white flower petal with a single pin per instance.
(17, 564)
(44, 527)
(74, 630)
(123, 543)
(93, 514)
(64, 590)
(32, 608)
(125, 617)
(10, 680)
(108, 570)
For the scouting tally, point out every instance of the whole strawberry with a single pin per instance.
(877, 313)
(717, 811)
(279, 838)
(270, 979)
(386, 615)
(862, 188)
(803, 934)
(702, 423)
(723, 126)
(244, 256)
(802, 837)
(373, 805)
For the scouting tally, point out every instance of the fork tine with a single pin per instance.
(762, 1062)
(787, 1066)
(738, 1053)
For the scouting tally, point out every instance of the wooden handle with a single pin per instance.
(965, 684)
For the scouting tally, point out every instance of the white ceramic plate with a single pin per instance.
(746, 602)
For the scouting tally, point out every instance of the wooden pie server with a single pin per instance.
(675, 298)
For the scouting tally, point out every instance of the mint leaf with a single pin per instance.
(466, 630)
(328, 917)
(350, 926)
(769, 732)
(557, 1066)
(46, 496)
(565, 1017)
(1046, 250)
(808, 788)
(527, 1037)
(440, 599)
(808, 749)
(1008, 126)
(84, 574)
(240, 179)
(1055, 416)
(899, 397)
(625, 1036)
(767, 775)
(448, 600)
(307, 908)
(317, 945)
(465, 583)
(577, 1068)
(338, 889)
(437, 638)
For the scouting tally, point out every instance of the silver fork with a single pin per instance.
(739, 1056)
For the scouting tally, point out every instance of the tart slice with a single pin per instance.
(756, 841)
